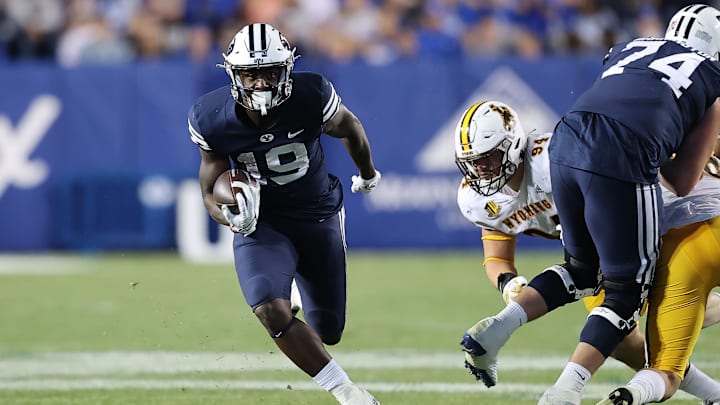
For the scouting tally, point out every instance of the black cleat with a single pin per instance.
(622, 396)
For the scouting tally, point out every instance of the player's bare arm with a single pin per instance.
(680, 175)
(499, 250)
(211, 166)
(259, 62)
(346, 126)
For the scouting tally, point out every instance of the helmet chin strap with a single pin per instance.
(262, 99)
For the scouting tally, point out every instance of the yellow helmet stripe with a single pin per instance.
(465, 126)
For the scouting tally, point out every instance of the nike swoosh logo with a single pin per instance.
(292, 135)
(580, 375)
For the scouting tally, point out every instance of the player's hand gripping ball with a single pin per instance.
(238, 196)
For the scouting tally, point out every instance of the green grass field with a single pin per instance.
(152, 329)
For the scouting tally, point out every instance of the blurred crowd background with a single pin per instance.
(76, 32)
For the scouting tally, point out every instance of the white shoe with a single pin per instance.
(708, 402)
(351, 394)
(481, 344)
(622, 396)
(295, 300)
(556, 396)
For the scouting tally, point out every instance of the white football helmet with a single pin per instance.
(698, 25)
(489, 145)
(259, 46)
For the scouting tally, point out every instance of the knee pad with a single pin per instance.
(578, 283)
(564, 283)
(622, 305)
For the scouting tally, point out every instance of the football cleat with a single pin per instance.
(708, 402)
(481, 352)
(556, 396)
(622, 396)
(351, 394)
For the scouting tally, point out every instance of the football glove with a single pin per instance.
(712, 167)
(511, 285)
(363, 185)
(244, 221)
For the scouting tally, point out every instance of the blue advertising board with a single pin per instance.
(100, 158)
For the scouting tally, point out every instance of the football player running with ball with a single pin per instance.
(268, 123)
(506, 190)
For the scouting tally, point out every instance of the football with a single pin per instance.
(224, 191)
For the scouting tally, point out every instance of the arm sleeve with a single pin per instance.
(330, 100)
(195, 134)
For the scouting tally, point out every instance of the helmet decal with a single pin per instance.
(284, 42)
(507, 117)
(231, 46)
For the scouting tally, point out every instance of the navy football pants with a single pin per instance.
(616, 225)
(312, 252)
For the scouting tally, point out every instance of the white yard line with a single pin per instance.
(594, 391)
(128, 363)
(111, 370)
(43, 264)
(151, 362)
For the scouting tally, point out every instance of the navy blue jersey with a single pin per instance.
(651, 93)
(287, 158)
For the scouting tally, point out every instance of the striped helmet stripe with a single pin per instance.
(677, 29)
(687, 28)
(465, 126)
(257, 37)
(251, 38)
(263, 37)
(688, 15)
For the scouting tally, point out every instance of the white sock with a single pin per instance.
(573, 377)
(331, 376)
(700, 384)
(512, 317)
(650, 384)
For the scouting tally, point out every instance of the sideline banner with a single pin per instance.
(100, 158)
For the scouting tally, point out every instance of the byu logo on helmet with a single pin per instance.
(231, 46)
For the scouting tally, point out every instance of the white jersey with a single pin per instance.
(701, 204)
(530, 210)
